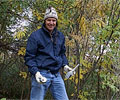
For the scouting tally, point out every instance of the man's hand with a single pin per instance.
(67, 68)
(40, 78)
(70, 71)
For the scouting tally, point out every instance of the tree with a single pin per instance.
(11, 13)
(92, 31)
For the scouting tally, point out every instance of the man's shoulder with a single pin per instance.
(36, 34)
(60, 34)
(37, 31)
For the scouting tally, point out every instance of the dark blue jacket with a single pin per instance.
(45, 52)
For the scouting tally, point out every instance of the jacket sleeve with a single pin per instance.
(30, 55)
(63, 51)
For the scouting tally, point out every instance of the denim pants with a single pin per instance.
(54, 82)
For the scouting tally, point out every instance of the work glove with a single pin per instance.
(67, 68)
(40, 78)
(70, 71)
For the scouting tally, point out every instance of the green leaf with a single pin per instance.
(3, 99)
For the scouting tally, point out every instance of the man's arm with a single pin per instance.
(63, 51)
(31, 51)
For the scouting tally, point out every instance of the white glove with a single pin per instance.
(67, 68)
(40, 78)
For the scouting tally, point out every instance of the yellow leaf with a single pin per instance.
(99, 24)
(20, 34)
(23, 74)
(81, 76)
(19, 52)
(38, 27)
(72, 94)
(83, 25)
(39, 17)
(100, 13)
(76, 81)
(22, 51)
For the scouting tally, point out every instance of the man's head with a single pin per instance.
(50, 18)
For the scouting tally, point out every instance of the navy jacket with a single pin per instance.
(45, 52)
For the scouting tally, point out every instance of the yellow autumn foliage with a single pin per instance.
(62, 21)
(37, 14)
(20, 34)
(22, 51)
(23, 74)
(76, 37)
(82, 95)
(99, 22)
(85, 63)
(70, 43)
(38, 27)
(106, 64)
(82, 25)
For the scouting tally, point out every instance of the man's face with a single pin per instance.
(50, 24)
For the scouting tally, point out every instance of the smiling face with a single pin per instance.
(50, 24)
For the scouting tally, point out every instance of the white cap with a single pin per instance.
(50, 12)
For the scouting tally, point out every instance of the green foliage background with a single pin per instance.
(92, 31)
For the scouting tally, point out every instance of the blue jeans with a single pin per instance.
(54, 82)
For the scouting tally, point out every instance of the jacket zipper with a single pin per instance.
(51, 37)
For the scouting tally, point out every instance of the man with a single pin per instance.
(45, 56)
